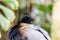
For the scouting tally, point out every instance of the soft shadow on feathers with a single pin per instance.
(14, 33)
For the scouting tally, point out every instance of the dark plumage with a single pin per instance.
(26, 19)
(36, 34)
(14, 33)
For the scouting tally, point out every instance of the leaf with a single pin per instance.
(42, 8)
(4, 23)
(49, 8)
(9, 13)
(12, 3)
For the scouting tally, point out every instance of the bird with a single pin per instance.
(14, 33)
(27, 32)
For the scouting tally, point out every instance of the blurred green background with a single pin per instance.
(11, 11)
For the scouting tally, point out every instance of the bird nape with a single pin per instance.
(32, 33)
(14, 33)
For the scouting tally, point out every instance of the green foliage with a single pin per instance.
(12, 3)
(42, 8)
(5, 21)
(49, 8)
(45, 9)
(9, 14)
